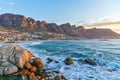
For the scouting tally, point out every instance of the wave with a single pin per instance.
(36, 43)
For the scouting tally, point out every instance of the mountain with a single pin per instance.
(22, 23)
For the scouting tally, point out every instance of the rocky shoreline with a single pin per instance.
(17, 61)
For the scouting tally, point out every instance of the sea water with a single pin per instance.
(106, 53)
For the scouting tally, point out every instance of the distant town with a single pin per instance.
(12, 36)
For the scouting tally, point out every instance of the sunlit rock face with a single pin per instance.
(14, 58)
(22, 23)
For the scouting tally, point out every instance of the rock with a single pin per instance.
(43, 76)
(10, 69)
(63, 77)
(60, 77)
(0, 56)
(38, 77)
(37, 62)
(39, 71)
(56, 61)
(32, 77)
(25, 72)
(56, 72)
(24, 77)
(20, 56)
(28, 66)
(90, 61)
(1, 71)
(48, 78)
(57, 77)
(4, 57)
(15, 60)
(50, 74)
(68, 61)
(49, 60)
(5, 64)
(33, 69)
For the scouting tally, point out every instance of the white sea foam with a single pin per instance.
(36, 43)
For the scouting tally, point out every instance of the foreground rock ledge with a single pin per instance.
(15, 60)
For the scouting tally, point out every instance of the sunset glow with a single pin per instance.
(113, 26)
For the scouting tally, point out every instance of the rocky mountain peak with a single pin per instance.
(20, 22)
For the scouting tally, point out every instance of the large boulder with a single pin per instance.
(57, 77)
(37, 62)
(90, 61)
(49, 60)
(20, 56)
(68, 61)
(15, 54)
(13, 57)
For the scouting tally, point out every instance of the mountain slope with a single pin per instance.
(102, 34)
(21, 23)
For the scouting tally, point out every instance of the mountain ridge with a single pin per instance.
(22, 23)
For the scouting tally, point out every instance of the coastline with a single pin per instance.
(57, 40)
(78, 50)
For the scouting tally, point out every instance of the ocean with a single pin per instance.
(106, 53)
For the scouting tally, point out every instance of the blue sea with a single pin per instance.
(106, 53)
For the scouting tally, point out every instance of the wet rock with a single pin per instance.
(56, 61)
(43, 76)
(63, 77)
(49, 60)
(56, 71)
(33, 69)
(25, 72)
(37, 62)
(90, 61)
(24, 77)
(38, 77)
(57, 77)
(10, 69)
(1, 72)
(50, 74)
(32, 77)
(28, 66)
(39, 71)
(49, 78)
(68, 61)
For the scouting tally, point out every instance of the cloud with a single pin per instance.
(103, 22)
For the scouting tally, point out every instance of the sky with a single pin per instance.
(89, 13)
